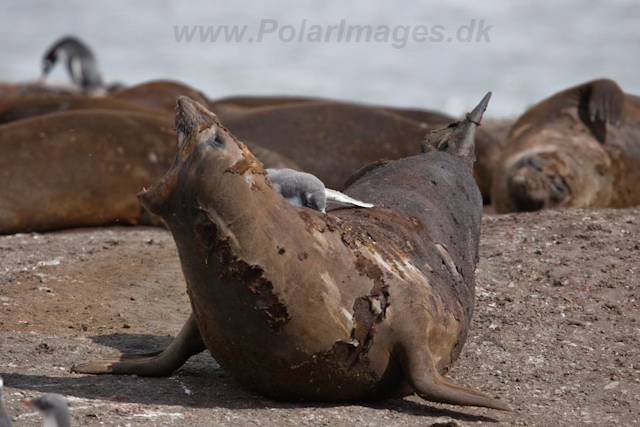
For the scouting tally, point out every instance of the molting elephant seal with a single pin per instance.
(357, 304)
(578, 148)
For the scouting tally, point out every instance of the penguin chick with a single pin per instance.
(53, 409)
(304, 189)
(5, 420)
(81, 63)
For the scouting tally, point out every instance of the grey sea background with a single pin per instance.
(535, 49)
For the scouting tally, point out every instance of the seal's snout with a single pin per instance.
(192, 117)
(528, 189)
(534, 184)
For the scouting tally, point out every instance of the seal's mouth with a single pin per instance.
(207, 154)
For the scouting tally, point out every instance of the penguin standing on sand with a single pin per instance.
(5, 420)
(81, 63)
(304, 189)
(53, 409)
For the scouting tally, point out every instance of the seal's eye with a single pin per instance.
(217, 142)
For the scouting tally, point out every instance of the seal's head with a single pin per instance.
(556, 170)
(210, 164)
(539, 180)
(559, 151)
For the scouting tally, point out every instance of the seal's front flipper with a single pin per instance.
(156, 364)
(338, 197)
(425, 380)
(601, 102)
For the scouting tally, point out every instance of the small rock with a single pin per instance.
(612, 385)
(48, 263)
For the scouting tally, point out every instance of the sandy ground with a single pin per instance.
(556, 331)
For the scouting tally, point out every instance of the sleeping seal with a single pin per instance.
(356, 304)
(578, 148)
(331, 139)
(80, 168)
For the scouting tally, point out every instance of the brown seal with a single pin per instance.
(80, 168)
(10, 90)
(23, 107)
(158, 95)
(352, 305)
(578, 148)
(331, 139)
(84, 167)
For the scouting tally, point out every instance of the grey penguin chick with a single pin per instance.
(5, 420)
(81, 63)
(304, 189)
(53, 409)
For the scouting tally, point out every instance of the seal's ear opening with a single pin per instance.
(458, 137)
(601, 102)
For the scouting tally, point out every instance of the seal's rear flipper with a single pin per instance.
(157, 364)
(601, 102)
(459, 137)
(425, 380)
(338, 197)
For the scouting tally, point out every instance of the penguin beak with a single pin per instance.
(27, 402)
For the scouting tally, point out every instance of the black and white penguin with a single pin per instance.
(81, 63)
(53, 408)
(5, 420)
(304, 189)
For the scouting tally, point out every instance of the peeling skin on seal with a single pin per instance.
(247, 163)
(367, 310)
(237, 269)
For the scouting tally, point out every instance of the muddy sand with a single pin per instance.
(556, 332)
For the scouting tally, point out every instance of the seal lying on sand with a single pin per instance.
(80, 168)
(295, 304)
(158, 95)
(578, 148)
(84, 167)
(18, 108)
(331, 139)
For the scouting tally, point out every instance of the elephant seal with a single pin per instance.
(19, 108)
(11, 90)
(80, 60)
(578, 148)
(331, 139)
(80, 168)
(158, 95)
(357, 304)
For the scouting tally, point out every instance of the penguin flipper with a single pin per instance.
(338, 197)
